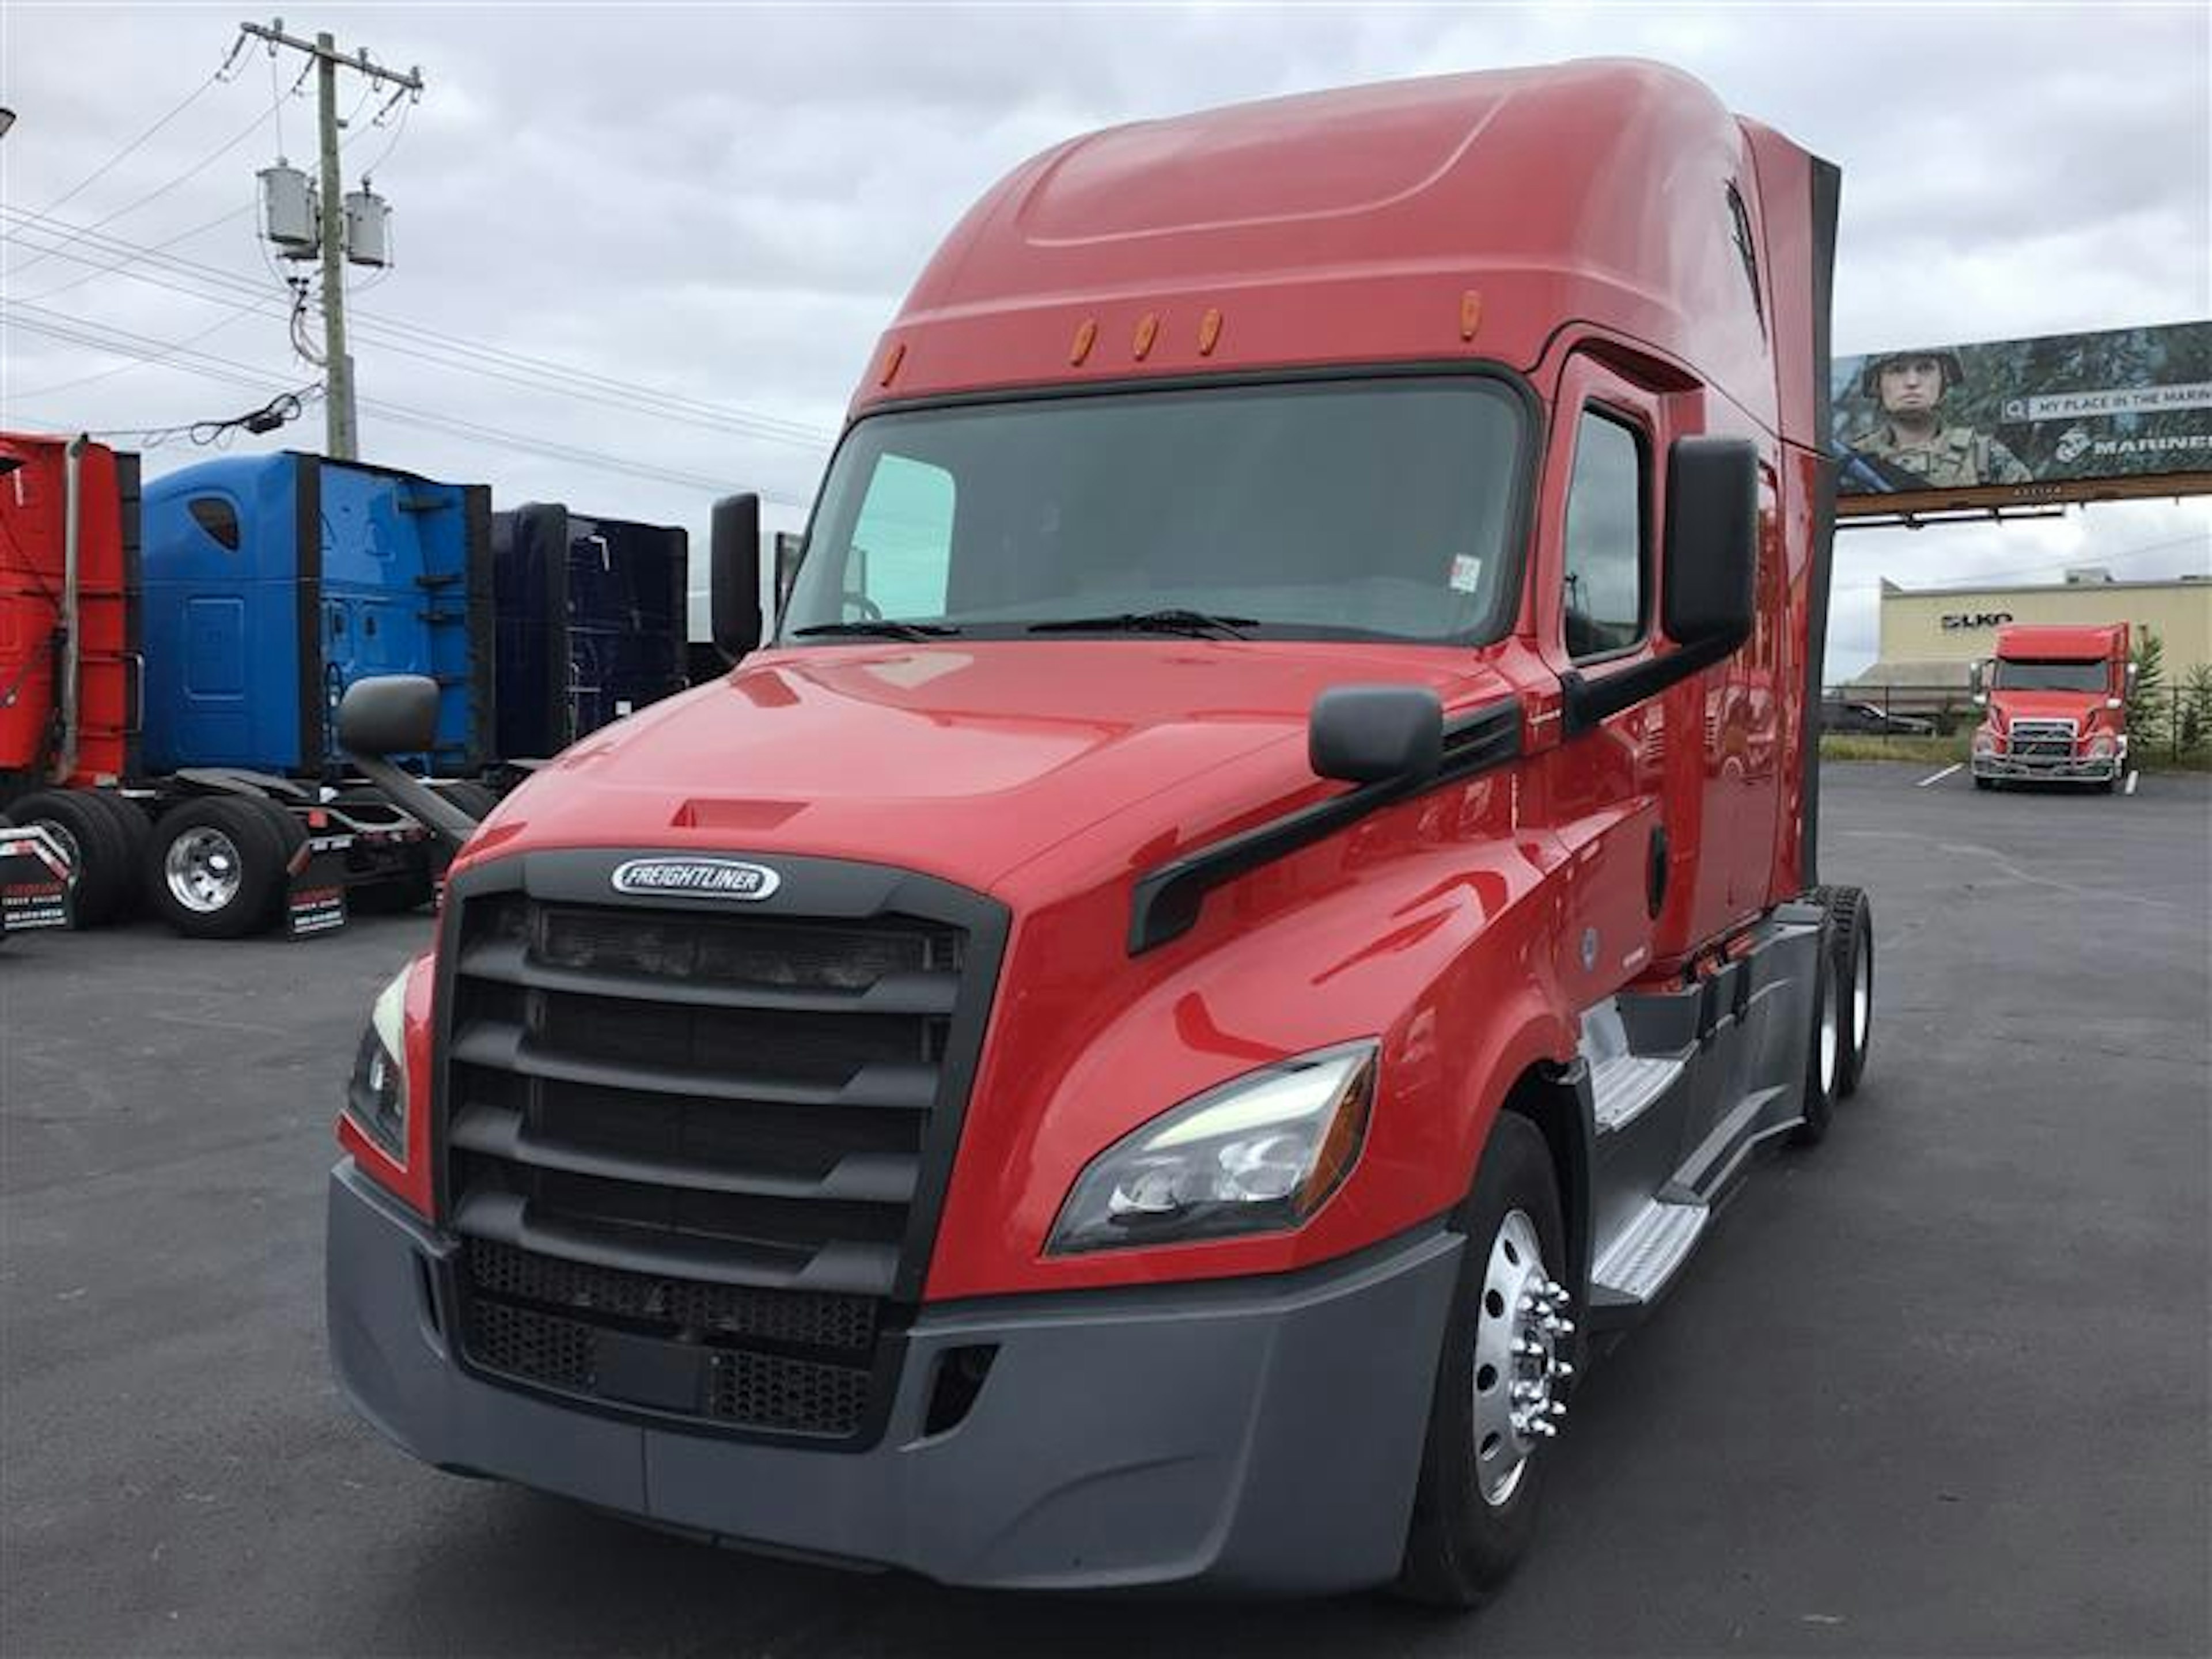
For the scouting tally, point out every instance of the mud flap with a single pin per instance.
(314, 894)
(34, 886)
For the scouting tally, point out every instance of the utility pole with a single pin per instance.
(342, 430)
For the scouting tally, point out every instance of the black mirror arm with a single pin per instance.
(1586, 703)
(446, 821)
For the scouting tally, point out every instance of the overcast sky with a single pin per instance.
(724, 206)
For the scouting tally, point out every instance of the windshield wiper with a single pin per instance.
(880, 628)
(1202, 624)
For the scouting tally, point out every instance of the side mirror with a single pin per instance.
(1710, 561)
(389, 714)
(1976, 674)
(735, 575)
(398, 714)
(2132, 670)
(1981, 700)
(1375, 734)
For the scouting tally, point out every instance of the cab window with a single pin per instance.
(903, 541)
(1606, 579)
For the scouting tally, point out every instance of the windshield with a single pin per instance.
(2015, 675)
(1345, 509)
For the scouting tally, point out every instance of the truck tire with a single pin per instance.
(1824, 1043)
(101, 873)
(137, 830)
(1851, 919)
(216, 867)
(1482, 1477)
(1985, 783)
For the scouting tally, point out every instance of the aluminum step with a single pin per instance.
(1637, 1265)
(1623, 1087)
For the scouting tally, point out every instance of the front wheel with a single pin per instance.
(1823, 1046)
(1501, 1382)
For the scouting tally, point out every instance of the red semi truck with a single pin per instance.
(1257, 899)
(2057, 709)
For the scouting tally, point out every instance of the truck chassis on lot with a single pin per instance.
(1259, 897)
(216, 850)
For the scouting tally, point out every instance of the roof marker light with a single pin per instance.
(1209, 331)
(1470, 313)
(1148, 326)
(1085, 333)
(892, 361)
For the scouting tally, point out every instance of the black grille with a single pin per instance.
(790, 1362)
(693, 1157)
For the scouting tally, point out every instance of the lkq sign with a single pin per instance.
(1960, 621)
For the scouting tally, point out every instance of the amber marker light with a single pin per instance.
(1086, 335)
(892, 359)
(1209, 331)
(1148, 328)
(1470, 313)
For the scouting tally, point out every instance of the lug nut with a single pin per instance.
(1558, 1408)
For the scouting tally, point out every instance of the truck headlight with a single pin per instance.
(1258, 1154)
(1984, 742)
(376, 1095)
(2100, 746)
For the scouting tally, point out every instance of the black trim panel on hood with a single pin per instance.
(1165, 904)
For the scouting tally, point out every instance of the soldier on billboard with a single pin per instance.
(1911, 449)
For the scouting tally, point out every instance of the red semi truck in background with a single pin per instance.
(2057, 706)
(1257, 899)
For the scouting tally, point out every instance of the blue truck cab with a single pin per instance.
(590, 622)
(273, 582)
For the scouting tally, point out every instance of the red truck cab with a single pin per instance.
(1258, 894)
(2056, 702)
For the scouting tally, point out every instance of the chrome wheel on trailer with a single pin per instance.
(1520, 1332)
(204, 870)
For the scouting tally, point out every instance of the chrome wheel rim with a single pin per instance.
(1520, 1339)
(1861, 998)
(202, 870)
(1831, 1035)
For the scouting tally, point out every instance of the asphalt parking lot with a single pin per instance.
(1939, 1387)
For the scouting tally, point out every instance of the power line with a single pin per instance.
(235, 315)
(136, 144)
(177, 354)
(95, 275)
(453, 351)
(158, 191)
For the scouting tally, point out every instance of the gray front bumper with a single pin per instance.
(1259, 1436)
(2101, 768)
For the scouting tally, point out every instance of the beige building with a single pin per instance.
(1930, 635)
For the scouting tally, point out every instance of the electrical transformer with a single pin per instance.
(291, 216)
(367, 228)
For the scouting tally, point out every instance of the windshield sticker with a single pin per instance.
(1466, 573)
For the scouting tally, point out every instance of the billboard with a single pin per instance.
(2065, 417)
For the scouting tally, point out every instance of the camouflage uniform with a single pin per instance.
(1957, 456)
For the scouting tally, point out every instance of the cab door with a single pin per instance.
(1593, 615)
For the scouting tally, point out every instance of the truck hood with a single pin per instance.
(961, 760)
(2078, 706)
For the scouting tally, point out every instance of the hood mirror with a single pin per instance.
(1375, 734)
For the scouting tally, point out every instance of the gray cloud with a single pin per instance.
(727, 205)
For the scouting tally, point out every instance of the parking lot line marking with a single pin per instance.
(1940, 776)
(2130, 787)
